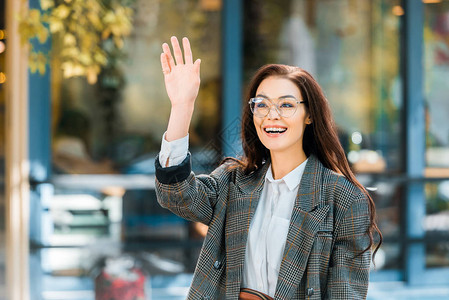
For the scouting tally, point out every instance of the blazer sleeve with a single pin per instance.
(187, 195)
(349, 267)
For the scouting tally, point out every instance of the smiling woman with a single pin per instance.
(282, 135)
(284, 210)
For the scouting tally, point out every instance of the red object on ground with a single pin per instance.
(109, 287)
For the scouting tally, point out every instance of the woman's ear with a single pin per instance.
(308, 120)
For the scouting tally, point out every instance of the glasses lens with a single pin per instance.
(287, 107)
(260, 106)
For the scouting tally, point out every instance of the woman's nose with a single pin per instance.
(273, 113)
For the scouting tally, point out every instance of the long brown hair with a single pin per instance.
(320, 137)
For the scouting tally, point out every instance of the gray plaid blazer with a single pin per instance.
(327, 233)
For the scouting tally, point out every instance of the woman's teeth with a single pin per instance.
(274, 130)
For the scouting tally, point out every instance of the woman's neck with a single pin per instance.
(283, 163)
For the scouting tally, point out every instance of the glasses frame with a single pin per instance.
(251, 100)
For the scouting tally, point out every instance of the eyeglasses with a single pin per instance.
(286, 107)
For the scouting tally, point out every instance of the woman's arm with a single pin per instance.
(182, 82)
(349, 267)
(187, 195)
(177, 188)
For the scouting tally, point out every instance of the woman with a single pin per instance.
(287, 221)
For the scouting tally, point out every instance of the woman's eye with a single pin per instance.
(261, 105)
(286, 105)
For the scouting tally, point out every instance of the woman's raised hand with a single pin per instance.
(182, 82)
(182, 76)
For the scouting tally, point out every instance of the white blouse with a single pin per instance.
(268, 231)
(269, 227)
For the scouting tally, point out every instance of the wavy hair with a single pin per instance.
(320, 137)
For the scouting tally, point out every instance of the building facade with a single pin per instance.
(77, 154)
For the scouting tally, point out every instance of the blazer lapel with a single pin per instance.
(308, 213)
(242, 203)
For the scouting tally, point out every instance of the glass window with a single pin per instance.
(116, 125)
(436, 224)
(110, 133)
(436, 76)
(110, 231)
(352, 49)
(436, 54)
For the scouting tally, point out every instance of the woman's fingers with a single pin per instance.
(165, 64)
(167, 52)
(177, 50)
(187, 51)
(197, 66)
(167, 61)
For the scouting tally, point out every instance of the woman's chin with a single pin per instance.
(274, 148)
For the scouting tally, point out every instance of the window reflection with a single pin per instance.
(111, 230)
(387, 194)
(436, 224)
(436, 55)
(116, 125)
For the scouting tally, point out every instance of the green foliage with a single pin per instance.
(79, 31)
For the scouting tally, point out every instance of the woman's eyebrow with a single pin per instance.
(287, 96)
(281, 97)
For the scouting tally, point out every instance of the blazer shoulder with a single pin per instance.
(342, 189)
(236, 168)
(228, 169)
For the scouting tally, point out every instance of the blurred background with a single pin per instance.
(83, 108)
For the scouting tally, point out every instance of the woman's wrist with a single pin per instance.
(173, 135)
(183, 106)
(179, 122)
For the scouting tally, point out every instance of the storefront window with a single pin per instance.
(115, 237)
(116, 125)
(436, 76)
(110, 132)
(436, 224)
(352, 49)
(436, 54)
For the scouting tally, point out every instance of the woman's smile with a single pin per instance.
(274, 130)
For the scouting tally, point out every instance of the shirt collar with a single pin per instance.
(292, 179)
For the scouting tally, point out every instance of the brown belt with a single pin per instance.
(249, 294)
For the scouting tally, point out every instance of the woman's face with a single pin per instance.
(290, 140)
